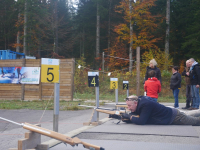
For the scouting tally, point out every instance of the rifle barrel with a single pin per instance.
(19, 124)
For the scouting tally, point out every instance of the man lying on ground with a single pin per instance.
(151, 112)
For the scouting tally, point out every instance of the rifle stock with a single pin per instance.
(112, 112)
(60, 137)
(121, 105)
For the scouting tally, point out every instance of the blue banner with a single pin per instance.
(20, 75)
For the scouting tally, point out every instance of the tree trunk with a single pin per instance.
(168, 27)
(97, 32)
(56, 27)
(131, 39)
(83, 42)
(110, 1)
(25, 28)
(18, 37)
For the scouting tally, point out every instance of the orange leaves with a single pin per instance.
(123, 32)
(16, 45)
(142, 21)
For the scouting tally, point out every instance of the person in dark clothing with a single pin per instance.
(188, 86)
(144, 111)
(175, 84)
(152, 66)
(194, 75)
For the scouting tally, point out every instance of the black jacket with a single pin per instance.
(187, 78)
(195, 75)
(158, 73)
(151, 112)
(175, 81)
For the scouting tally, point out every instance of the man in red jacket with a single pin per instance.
(152, 86)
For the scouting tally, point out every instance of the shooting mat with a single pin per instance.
(163, 130)
(128, 145)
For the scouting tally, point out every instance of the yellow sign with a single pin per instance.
(50, 70)
(113, 83)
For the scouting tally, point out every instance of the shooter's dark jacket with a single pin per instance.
(187, 78)
(175, 81)
(157, 75)
(151, 112)
(195, 75)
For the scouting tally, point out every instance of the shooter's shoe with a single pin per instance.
(185, 107)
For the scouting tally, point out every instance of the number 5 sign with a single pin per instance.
(50, 70)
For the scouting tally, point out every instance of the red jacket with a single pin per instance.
(152, 86)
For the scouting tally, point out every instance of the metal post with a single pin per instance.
(127, 92)
(97, 102)
(56, 106)
(116, 96)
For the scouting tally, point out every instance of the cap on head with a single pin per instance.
(132, 98)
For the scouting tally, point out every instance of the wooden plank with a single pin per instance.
(32, 93)
(65, 75)
(65, 87)
(61, 77)
(65, 69)
(72, 78)
(67, 60)
(10, 88)
(31, 97)
(10, 94)
(34, 90)
(10, 98)
(31, 85)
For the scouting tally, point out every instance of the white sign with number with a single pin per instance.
(50, 70)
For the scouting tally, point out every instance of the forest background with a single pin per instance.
(68, 29)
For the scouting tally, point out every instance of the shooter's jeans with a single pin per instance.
(195, 96)
(175, 93)
(154, 99)
(183, 119)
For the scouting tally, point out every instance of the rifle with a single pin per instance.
(121, 105)
(61, 137)
(113, 113)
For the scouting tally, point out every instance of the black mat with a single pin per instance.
(124, 128)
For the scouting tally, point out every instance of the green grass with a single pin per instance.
(83, 99)
(41, 105)
(167, 99)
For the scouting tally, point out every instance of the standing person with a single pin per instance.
(152, 66)
(188, 86)
(194, 75)
(175, 84)
(152, 86)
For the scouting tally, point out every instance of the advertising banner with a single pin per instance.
(20, 75)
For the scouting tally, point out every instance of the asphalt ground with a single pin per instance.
(70, 121)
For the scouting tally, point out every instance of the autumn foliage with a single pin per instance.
(144, 24)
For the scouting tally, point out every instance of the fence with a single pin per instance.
(42, 91)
